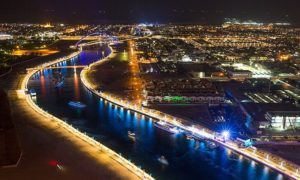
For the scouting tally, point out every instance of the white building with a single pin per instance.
(239, 74)
(283, 120)
(186, 58)
(5, 37)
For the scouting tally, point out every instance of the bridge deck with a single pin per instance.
(57, 67)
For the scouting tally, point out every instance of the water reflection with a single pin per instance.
(76, 86)
(188, 159)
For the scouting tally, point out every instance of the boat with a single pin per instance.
(163, 160)
(58, 80)
(167, 127)
(32, 92)
(77, 104)
(59, 84)
(175, 130)
(131, 135)
(189, 137)
(211, 145)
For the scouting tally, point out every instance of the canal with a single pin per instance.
(109, 124)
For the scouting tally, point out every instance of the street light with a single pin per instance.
(281, 164)
(267, 156)
(225, 134)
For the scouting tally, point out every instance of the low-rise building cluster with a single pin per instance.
(183, 91)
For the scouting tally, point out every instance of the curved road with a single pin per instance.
(291, 170)
(12, 83)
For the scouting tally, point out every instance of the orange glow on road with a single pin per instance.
(135, 81)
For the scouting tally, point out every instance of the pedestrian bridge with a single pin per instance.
(63, 67)
(56, 67)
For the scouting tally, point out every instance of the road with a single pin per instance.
(48, 127)
(289, 169)
(135, 82)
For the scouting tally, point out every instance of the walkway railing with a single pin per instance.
(275, 162)
(112, 154)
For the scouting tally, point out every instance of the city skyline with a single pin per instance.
(130, 89)
(132, 11)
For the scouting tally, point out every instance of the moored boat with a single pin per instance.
(131, 135)
(189, 137)
(167, 127)
(163, 160)
(32, 92)
(211, 145)
(59, 84)
(76, 104)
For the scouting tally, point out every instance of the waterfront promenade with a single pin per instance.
(288, 168)
(50, 150)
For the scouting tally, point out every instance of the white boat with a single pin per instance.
(32, 92)
(76, 104)
(174, 130)
(211, 145)
(167, 127)
(189, 137)
(59, 84)
(163, 160)
(131, 134)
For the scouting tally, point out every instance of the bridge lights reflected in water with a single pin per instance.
(113, 123)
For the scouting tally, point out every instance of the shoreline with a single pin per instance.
(140, 174)
(253, 154)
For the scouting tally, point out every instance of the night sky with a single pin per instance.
(156, 11)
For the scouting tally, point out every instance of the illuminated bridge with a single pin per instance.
(59, 67)
(55, 67)
(103, 38)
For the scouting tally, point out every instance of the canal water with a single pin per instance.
(109, 124)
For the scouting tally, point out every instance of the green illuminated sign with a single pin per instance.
(177, 99)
